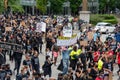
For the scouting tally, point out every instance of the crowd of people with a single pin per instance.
(95, 61)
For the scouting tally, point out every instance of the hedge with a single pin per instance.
(94, 19)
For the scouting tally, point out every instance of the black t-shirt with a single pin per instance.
(93, 73)
(108, 66)
(83, 57)
(27, 62)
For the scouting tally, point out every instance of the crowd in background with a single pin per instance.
(95, 61)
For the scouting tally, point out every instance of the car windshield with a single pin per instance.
(104, 24)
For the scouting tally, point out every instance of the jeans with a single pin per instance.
(65, 66)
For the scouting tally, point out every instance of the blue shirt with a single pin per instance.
(95, 36)
(65, 54)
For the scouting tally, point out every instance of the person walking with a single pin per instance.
(35, 62)
(47, 66)
(65, 58)
(18, 58)
(2, 59)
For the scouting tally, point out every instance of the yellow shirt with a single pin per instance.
(100, 64)
(79, 51)
(73, 53)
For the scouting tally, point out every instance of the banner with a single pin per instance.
(41, 27)
(67, 30)
(67, 42)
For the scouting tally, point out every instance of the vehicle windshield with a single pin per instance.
(104, 24)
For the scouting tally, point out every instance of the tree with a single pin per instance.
(15, 6)
(12, 5)
(56, 6)
(75, 5)
(41, 5)
(1, 6)
(106, 6)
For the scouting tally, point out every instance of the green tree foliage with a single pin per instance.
(75, 4)
(41, 5)
(117, 4)
(1, 6)
(106, 5)
(56, 6)
(13, 4)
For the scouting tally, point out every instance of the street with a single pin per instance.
(54, 68)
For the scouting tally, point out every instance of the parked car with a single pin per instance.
(105, 27)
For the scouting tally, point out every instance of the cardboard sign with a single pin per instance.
(8, 28)
(90, 35)
(83, 43)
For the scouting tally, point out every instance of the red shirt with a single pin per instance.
(110, 53)
(96, 56)
(98, 78)
(118, 58)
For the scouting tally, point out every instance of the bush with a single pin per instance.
(112, 21)
(94, 19)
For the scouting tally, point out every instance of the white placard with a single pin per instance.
(41, 27)
(67, 30)
(67, 42)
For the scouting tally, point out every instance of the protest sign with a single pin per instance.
(41, 27)
(8, 28)
(67, 30)
(83, 43)
(38, 27)
(90, 35)
(66, 42)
